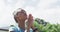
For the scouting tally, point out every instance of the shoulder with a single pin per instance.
(13, 29)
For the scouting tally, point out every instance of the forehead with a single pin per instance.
(20, 13)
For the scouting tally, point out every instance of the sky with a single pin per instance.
(49, 10)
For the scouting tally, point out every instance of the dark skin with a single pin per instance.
(30, 23)
(21, 17)
(21, 20)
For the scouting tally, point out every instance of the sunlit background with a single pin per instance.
(49, 10)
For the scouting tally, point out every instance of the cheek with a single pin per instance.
(19, 18)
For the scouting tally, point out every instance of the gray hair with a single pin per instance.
(19, 10)
(16, 12)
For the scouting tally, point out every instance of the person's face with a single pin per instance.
(22, 16)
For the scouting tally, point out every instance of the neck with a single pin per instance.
(21, 24)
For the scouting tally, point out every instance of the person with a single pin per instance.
(20, 17)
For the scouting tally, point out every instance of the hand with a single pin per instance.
(30, 22)
(30, 19)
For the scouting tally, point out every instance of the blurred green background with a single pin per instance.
(44, 26)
